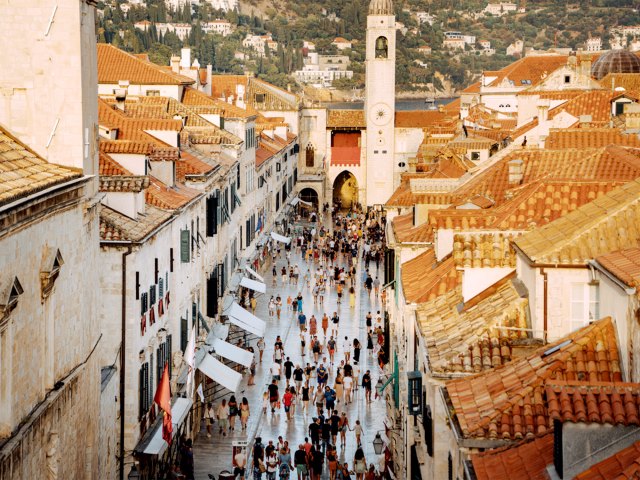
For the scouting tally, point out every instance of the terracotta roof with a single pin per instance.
(262, 155)
(628, 81)
(603, 403)
(508, 402)
(596, 103)
(420, 118)
(405, 232)
(108, 166)
(115, 65)
(193, 166)
(527, 460)
(472, 143)
(531, 68)
(123, 183)
(545, 201)
(404, 197)
(623, 264)
(117, 227)
(473, 88)
(23, 172)
(609, 223)
(484, 250)
(453, 107)
(589, 138)
(346, 118)
(161, 196)
(624, 465)
(445, 164)
(195, 98)
(424, 279)
(125, 146)
(471, 338)
(224, 86)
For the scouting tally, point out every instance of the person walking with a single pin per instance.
(359, 464)
(209, 415)
(244, 413)
(347, 381)
(313, 325)
(306, 394)
(376, 286)
(298, 376)
(300, 462)
(346, 349)
(352, 297)
(233, 412)
(366, 384)
(272, 307)
(284, 462)
(338, 385)
(288, 370)
(278, 306)
(223, 417)
(261, 346)
(272, 465)
(325, 325)
(273, 395)
(356, 351)
(287, 401)
(332, 462)
(344, 426)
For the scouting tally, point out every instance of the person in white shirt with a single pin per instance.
(347, 383)
(275, 371)
(346, 349)
(209, 416)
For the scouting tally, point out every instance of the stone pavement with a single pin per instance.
(212, 455)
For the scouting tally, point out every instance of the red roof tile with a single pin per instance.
(624, 465)
(424, 279)
(161, 196)
(588, 138)
(586, 402)
(508, 402)
(108, 166)
(527, 460)
(624, 264)
(115, 65)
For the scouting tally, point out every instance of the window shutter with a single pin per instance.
(184, 327)
(427, 423)
(146, 386)
(248, 233)
(141, 392)
(151, 386)
(161, 288)
(156, 270)
(212, 294)
(185, 239)
(152, 295)
(169, 354)
(160, 360)
(215, 212)
(137, 285)
(450, 467)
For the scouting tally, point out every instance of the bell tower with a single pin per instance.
(380, 101)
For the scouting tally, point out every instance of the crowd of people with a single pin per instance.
(322, 378)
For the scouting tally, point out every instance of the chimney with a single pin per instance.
(175, 64)
(543, 112)
(185, 58)
(121, 94)
(207, 88)
(516, 171)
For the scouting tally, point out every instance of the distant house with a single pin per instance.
(425, 50)
(485, 44)
(453, 43)
(424, 17)
(341, 43)
(220, 27)
(499, 9)
(594, 44)
(516, 48)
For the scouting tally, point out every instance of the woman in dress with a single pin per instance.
(332, 462)
(359, 464)
(356, 351)
(305, 397)
(272, 307)
(352, 297)
(338, 385)
(278, 306)
(313, 325)
(244, 413)
(325, 324)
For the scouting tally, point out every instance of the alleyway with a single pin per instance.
(212, 455)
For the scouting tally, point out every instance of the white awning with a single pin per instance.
(231, 352)
(253, 273)
(246, 320)
(219, 330)
(179, 410)
(220, 373)
(298, 200)
(254, 285)
(279, 238)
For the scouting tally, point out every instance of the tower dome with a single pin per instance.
(614, 61)
(381, 7)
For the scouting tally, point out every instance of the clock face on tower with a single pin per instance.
(381, 114)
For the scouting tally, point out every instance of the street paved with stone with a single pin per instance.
(213, 455)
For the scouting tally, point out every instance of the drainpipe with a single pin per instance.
(544, 303)
(122, 355)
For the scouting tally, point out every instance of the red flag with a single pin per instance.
(163, 399)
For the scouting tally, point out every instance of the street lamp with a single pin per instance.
(134, 474)
(378, 444)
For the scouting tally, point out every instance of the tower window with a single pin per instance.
(382, 48)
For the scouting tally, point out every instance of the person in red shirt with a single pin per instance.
(287, 401)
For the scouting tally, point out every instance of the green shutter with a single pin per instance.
(185, 241)
(169, 354)
(184, 333)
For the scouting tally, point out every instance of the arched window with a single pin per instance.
(310, 155)
(382, 47)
